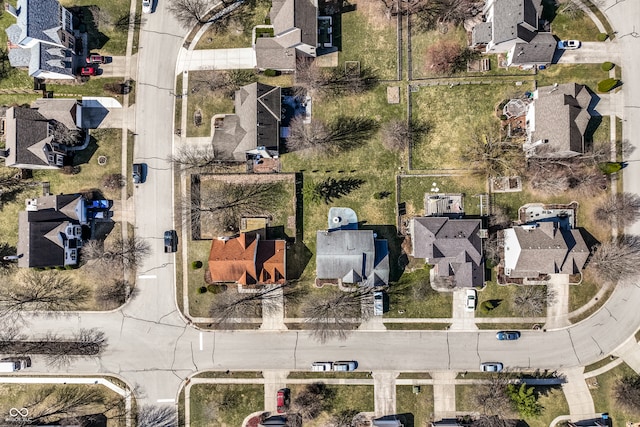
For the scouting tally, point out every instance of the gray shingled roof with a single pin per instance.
(271, 54)
(256, 122)
(513, 19)
(350, 255)
(454, 245)
(25, 131)
(306, 19)
(19, 57)
(43, 19)
(61, 110)
(561, 117)
(543, 249)
(539, 50)
(50, 59)
(481, 33)
(35, 248)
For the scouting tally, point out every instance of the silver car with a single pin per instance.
(147, 6)
(491, 367)
(345, 366)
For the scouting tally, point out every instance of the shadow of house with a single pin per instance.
(557, 121)
(42, 39)
(87, 23)
(517, 29)
(255, 126)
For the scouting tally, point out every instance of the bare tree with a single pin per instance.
(492, 397)
(309, 75)
(60, 352)
(49, 404)
(427, 14)
(113, 181)
(190, 157)
(190, 12)
(553, 176)
(398, 135)
(312, 400)
(442, 56)
(620, 208)
(157, 416)
(312, 137)
(10, 186)
(332, 315)
(531, 301)
(617, 259)
(225, 203)
(112, 294)
(488, 153)
(627, 393)
(570, 9)
(41, 291)
(316, 137)
(121, 253)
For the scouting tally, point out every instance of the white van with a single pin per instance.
(321, 366)
(14, 364)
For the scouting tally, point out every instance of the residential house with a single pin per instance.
(541, 248)
(295, 28)
(248, 259)
(50, 230)
(255, 126)
(452, 246)
(346, 255)
(42, 39)
(557, 120)
(515, 27)
(37, 137)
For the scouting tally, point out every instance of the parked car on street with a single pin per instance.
(345, 366)
(321, 366)
(170, 241)
(568, 44)
(471, 300)
(283, 400)
(147, 6)
(491, 367)
(96, 59)
(378, 303)
(508, 335)
(88, 71)
(138, 173)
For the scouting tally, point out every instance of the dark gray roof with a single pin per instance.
(52, 59)
(543, 248)
(453, 245)
(561, 117)
(306, 19)
(256, 122)
(539, 50)
(38, 243)
(481, 33)
(510, 15)
(271, 54)
(27, 134)
(350, 255)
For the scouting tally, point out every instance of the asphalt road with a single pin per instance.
(150, 345)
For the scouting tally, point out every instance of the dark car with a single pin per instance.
(283, 400)
(88, 71)
(138, 173)
(170, 241)
(508, 335)
(96, 59)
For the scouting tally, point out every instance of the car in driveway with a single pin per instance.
(569, 44)
(491, 367)
(88, 71)
(94, 58)
(471, 298)
(138, 173)
(321, 366)
(507, 335)
(378, 303)
(147, 6)
(345, 366)
(170, 241)
(283, 399)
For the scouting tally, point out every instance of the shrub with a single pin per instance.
(610, 167)
(114, 181)
(607, 84)
(602, 37)
(196, 265)
(270, 73)
(377, 196)
(606, 66)
(71, 170)
(202, 289)
(215, 289)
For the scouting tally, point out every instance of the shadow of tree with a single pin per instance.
(90, 17)
(332, 188)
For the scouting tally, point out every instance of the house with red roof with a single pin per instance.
(248, 259)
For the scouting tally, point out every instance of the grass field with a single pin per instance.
(413, 296)
(237, 32)
(224, 404)
(603, 396)
(339, 398)
(503, 294)
(417, 407)
(566, 26)
(455, 114)
(587, 74)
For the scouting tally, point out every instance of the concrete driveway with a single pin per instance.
(216, 59)
(114, 68)
(462, 319)
(590, 53)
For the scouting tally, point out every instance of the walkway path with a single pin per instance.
(577, 394)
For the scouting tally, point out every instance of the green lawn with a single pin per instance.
(565, 27)
(413, 296)
(339, 398)
(413, 189)
(421, 41)
(603, 396)
(365, 35)
(415, 406)
(455, 114)
(580, 294)
(503, 295)
(587, 74)
(237, 32)
(224, 404)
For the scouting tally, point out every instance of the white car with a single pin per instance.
(321, 366)
(378, 303)
(147, 5)
(471, 300)
(568, 44)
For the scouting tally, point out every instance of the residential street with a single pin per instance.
(151, 345)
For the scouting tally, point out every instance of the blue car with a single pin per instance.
(508, 335)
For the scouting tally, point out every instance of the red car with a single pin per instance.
(284, 398)
(88, 71)
(96, 59)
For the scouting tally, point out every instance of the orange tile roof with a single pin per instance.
(247, 260)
